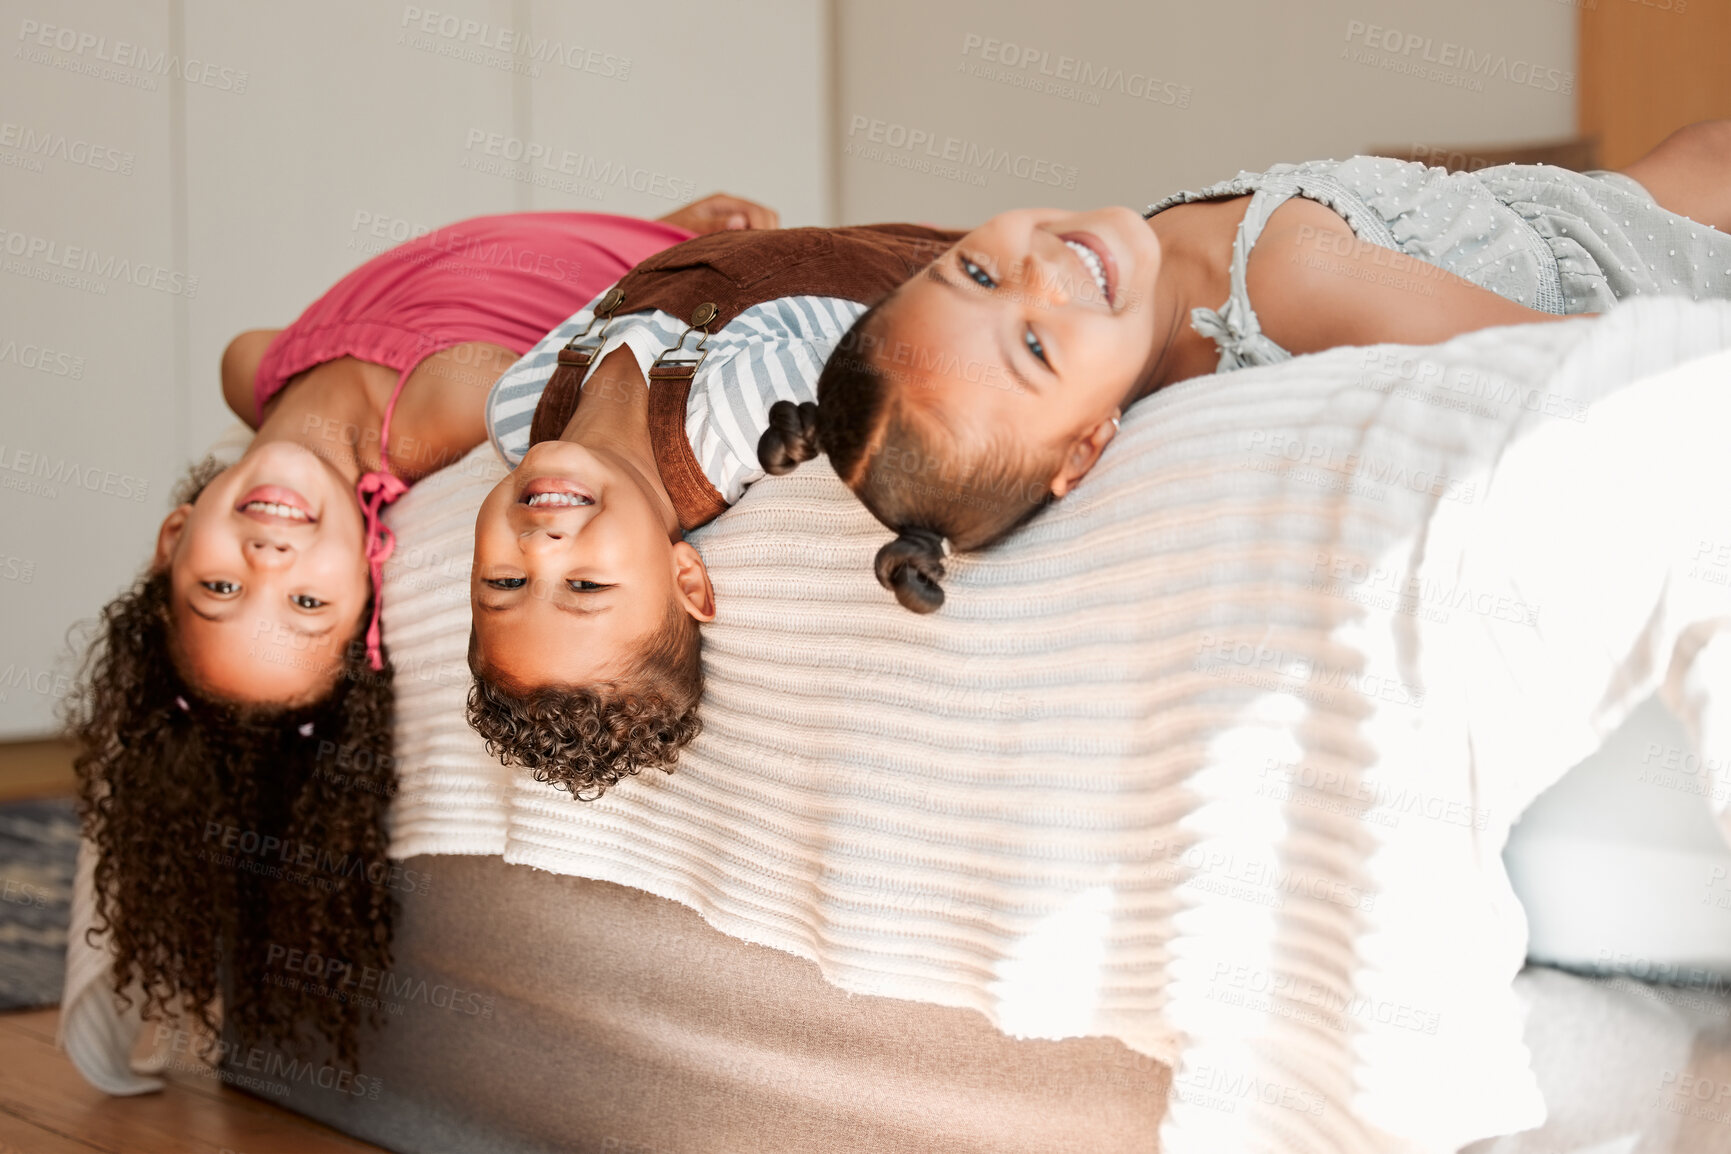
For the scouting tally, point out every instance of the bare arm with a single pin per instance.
(1316, 286)
(1690, 173)
(719, 212)
(240, 363)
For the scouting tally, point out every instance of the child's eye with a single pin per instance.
(504, 582)
(1035, 347)
(307, 601)
(979, 275)
(585, 586)
(221, 588)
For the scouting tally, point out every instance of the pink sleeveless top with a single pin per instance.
(507, 280)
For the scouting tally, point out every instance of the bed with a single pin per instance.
(1178, 828)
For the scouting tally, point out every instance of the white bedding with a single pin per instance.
(1178, 764)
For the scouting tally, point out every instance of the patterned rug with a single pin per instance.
(38, 847)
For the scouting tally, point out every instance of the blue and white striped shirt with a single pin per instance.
(770, 352)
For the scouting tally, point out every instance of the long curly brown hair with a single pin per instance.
(226, 839)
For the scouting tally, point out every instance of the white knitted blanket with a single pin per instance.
(1218, 757)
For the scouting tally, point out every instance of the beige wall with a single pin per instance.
(229, 195)
(1179, 94)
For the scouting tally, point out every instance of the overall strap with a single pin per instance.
(708, 281)
(735, 270)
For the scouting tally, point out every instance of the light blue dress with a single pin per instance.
(1554, 240)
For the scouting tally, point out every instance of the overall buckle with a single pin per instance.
(670, 366)
(579, 358)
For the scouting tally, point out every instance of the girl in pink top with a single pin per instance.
(237, 703)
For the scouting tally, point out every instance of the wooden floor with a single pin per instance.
(47, 1108)
(35, 769)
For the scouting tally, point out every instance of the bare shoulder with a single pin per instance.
(240, 361)
(1316, 285)
(1300, 272)
(453, 383)
(442, 412)
(1297, 236)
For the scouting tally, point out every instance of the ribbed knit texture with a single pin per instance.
(1181, 763)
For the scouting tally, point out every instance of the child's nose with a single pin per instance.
(264, 553)
(540, 539)
(1055, 279)
(1047, 279)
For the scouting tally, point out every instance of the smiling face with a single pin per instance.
(1033, 330)
(268, 576)
(576, 569)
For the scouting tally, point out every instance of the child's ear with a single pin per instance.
(1083, 452)
(168, 536)
(691, 582)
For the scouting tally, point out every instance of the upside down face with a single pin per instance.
(1034, 328)
(575, 569)
(269, 577)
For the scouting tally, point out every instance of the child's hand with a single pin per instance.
(720, 212)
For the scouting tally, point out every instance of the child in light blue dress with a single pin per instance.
(990, 383)
(1553, 240)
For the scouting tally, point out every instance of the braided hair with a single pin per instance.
(936, 490)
